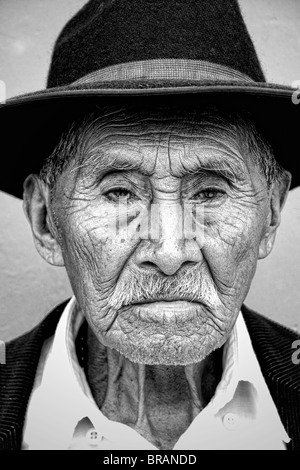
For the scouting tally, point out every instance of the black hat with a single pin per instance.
(146, 51)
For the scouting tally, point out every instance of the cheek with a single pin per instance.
(94, 253)
(232, 238)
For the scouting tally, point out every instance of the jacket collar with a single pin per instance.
(272, 344)
(17, 378)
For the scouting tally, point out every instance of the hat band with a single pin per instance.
(165, 69)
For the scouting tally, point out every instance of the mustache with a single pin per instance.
(138, 287)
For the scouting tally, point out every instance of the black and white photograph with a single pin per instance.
(150, 227)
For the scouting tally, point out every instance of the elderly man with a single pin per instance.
(159, 189)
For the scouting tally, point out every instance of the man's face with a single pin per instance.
(163, 297)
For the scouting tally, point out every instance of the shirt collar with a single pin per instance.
(61, 396)
(60, 373)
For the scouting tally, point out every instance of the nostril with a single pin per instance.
(168, 258)
(188, 264)
(149, 266)
(166, 269)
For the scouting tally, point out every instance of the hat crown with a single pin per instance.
(106, 33)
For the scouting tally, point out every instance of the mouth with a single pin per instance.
(164, 301)
(177, 312)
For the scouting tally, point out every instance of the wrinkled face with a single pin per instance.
(160, 295)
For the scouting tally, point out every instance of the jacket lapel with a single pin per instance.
(272, 344)
(17, 378)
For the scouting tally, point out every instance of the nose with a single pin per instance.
(169, 247)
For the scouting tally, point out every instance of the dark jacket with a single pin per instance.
(272, 344)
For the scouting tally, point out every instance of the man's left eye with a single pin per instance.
(209, 194)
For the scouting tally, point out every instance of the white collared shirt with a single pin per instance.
(62, 413)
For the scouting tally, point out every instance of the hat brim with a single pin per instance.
(31, 124)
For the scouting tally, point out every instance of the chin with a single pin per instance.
(163, 337)
(171, 352)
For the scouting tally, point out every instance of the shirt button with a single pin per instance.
(230, 421)
(92, 437)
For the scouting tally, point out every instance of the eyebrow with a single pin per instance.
(219, 167)
(226, 170)
(100, 163)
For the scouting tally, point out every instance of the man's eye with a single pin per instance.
(210, 194)
(119, 194)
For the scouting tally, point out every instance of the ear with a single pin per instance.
(278, 195)
(36, 208)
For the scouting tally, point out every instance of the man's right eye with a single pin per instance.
(119, 195)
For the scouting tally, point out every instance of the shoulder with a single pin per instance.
(17, 377)
(263, 329)
(23, 352)
(274, 345)
(33, 338)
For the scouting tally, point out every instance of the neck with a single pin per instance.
(159, 401)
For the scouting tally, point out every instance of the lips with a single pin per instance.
(164, 300)
(167, 312)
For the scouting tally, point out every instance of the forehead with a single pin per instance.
(149, 142)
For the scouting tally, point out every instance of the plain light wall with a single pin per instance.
(29, 286)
